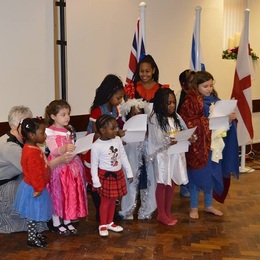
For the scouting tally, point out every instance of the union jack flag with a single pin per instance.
(137, 52)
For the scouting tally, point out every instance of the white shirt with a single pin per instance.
(108, 155)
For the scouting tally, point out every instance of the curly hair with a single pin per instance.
(17, 114)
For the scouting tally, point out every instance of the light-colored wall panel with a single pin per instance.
(26, 52)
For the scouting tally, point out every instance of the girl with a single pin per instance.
(32, 200)
(169, 168)
(185, 79)
(136, 153)
(205, 174)
(145, 80)
(107, 158)
(67, 185)
(145, 83)
(108, 96)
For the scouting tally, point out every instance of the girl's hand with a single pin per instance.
(130, 180)
(232, 117)
(37, 194)
(70, 148)
(121, 133)
(193, 138)
(67, 157)
(172, 141)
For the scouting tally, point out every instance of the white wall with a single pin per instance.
(99, 37)
(26, 55)
(100, 34)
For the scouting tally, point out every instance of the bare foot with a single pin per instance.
(194, 214)
(213, 211)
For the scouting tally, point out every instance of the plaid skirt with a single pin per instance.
(113, 184)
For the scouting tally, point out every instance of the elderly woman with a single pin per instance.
(11, 171)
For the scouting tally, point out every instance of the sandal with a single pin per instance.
(57, 230)
(73, 230)
(41, 237)
(36, 243)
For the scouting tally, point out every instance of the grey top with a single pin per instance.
(10, 157)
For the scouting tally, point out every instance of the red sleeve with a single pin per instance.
(95, 114)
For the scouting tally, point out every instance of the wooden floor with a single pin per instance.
(236, 235)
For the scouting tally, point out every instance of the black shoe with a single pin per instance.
(73, 231)
(42, 238)
(60, 232)
(37, 243)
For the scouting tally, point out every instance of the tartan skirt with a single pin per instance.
(113, 184)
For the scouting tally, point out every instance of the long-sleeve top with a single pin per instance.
(35, 168)
(108, 155)
(10, 157)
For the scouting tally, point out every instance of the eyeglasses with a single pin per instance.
(20, 123)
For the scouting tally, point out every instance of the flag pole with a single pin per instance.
(197, 40)
(142, 6)
(243, 167)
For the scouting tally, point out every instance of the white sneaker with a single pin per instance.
(104, 232)
(114, 227)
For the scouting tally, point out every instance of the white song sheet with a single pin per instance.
(219, 116)
(184, 135)
(135, 127)
(183, 142)
(83, 144)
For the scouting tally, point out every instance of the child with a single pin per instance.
(145, 83)
(205, 174)
(67, 185)
(108, 96)
(169, 168)
(107, 158)
(145, 80)
(136, 153)
(185, 79)
(32, 200)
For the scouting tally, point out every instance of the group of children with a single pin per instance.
(115, 170)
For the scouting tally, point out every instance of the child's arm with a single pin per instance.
(55, 150)
(67, 148)
(125, 162)
(65, 158)
(37, 170)
(94, 167)
(121, 133)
